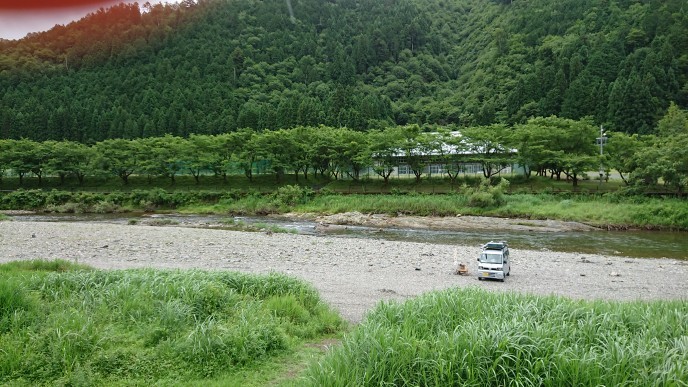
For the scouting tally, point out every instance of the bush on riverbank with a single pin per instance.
(63, 324)
(473, 337)
(486, 195)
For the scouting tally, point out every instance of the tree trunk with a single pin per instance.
(527, 172)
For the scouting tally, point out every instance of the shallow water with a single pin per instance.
(640, 244)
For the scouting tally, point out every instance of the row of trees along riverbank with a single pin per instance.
(551, 146)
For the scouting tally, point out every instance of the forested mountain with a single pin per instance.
(214, 66)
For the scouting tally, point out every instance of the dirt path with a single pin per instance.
(351, 274)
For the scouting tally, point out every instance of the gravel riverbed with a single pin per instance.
(352, 274)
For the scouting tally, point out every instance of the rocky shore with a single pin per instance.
(460, 222)
(351, 274)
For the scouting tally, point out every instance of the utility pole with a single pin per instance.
(602, 140)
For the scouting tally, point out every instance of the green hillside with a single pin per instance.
(211, 67)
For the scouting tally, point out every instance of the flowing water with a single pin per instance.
(641, 244)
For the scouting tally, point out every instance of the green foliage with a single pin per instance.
(534, 197)
(556, 145)
(550, 145)
(621, 151)
(212, 67)
(664, 157)
(473, 337)
(27, 199)
(487, 195)
(141, 326)
(399, 204)
(609, 211)
(272, 228)
(41, 265)
(291, 195)
(81, 202)
(162, 222)
(488, 145)
(14, 301)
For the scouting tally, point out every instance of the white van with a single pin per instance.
(494, 261)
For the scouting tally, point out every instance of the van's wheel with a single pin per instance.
(502, 280)
(509, 273)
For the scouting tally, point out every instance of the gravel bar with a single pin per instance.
(352, 274)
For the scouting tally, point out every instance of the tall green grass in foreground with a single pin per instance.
(65, 325)
(473, 337)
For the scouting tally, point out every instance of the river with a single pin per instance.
(638, 244)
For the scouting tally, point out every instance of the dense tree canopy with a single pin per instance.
(553, 146)
(209, 67)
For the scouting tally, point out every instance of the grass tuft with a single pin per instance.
(41, 265)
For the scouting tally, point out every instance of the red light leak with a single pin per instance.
(28, 5)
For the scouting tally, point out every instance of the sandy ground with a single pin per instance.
(353, 275)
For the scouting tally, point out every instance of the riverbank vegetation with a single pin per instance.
(472, 337)
(607, 210)
(62, 323)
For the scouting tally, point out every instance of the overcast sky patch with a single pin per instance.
(15, 24)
